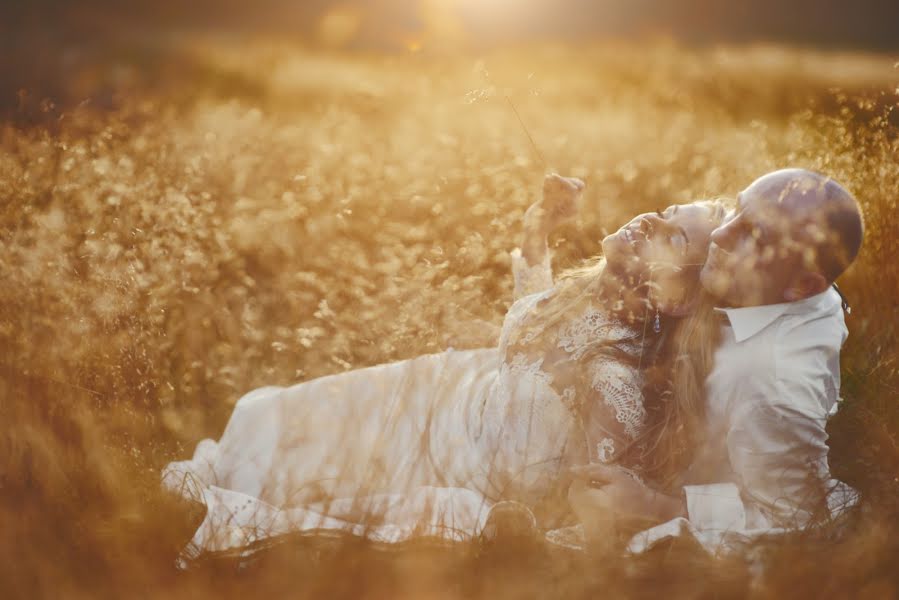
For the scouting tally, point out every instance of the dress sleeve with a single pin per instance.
(614, 414)
(530, 279)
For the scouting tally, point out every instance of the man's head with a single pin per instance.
(792, 234)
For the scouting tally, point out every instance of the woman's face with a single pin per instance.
(664, 250)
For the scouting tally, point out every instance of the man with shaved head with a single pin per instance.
(793, 234)
(776, 377)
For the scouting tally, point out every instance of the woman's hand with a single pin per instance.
(611, 504)
(596, 512)
(560, 203)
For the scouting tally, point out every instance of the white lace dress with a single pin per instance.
(422, 446)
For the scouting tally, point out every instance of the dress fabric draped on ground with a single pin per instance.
(422, 446)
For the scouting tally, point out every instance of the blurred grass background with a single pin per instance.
(187, 217)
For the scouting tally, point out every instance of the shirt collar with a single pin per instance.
(749, 320)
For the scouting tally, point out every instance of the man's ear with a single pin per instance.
(806, 285)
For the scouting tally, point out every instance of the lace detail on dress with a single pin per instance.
(520, 364)
(519, 367)
(633, 475)
(569, 399)
(528, 425)
(620, 387)
(530, 279)
(552, 395)
(605, 450)
(591, 326)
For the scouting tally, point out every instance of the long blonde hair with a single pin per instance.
(675, 364)
(674, 395)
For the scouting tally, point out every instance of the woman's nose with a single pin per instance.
(650, 223)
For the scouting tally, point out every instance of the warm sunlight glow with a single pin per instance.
(450, 22)
(499, 14)
(339, 25)
(462, 299)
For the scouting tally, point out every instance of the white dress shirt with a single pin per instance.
(762, 466)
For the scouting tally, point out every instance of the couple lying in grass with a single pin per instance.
(678, 383)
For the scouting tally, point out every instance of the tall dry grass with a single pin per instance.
(186, 221)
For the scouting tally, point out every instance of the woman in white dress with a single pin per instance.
(426, 446)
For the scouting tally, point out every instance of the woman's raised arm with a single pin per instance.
(531, 268)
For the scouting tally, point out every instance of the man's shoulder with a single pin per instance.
(791, 365)
(807, 358)
(807, 342)
(816, 320)
(762, 338)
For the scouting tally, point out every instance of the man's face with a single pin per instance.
(754, 254)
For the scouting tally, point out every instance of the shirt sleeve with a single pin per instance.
(779, 454)
(530, 279)
(717, 506)
(779, 457)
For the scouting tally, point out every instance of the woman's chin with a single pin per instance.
(621, 262)
(612, 246)
(616, 251)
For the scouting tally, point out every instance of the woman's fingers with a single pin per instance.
(595, 475)
(560, 196)
(592, 469)
(557, 187)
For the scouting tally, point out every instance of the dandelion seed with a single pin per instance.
(477, 95)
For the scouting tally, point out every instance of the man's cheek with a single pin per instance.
(768, 255)
(718, 280)
(748, 258)
(730, 265)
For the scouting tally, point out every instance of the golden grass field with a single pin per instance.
(225, 214)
